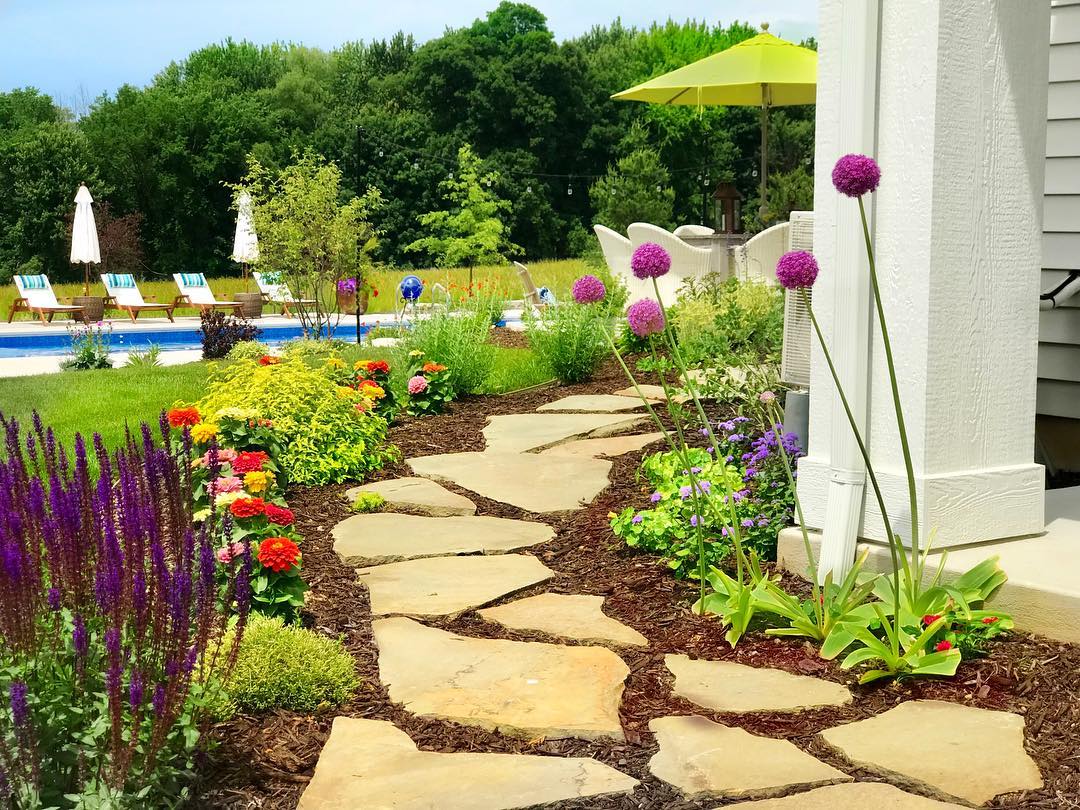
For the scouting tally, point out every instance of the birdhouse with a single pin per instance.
(728, 202)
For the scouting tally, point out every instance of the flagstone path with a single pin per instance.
(445, 561)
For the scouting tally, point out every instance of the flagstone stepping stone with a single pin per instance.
(611, 446)
(962, 751)
(385, 537)
(725, 686)
(444, 586)
(418, 495)
(705, 759)
(654, 393)
(527, 480)
(853, 796)
(602, 403)
(520, 432)
(370, 763)
(523, 689)
(577, 617)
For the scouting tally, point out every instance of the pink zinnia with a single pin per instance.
(588, 290)
(417, 385)
(227, 483)
(226, 554)
(645, 317)
(650, 261)
(797, 269)
(855, 175)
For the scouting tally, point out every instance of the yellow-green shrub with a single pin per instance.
(326, 439)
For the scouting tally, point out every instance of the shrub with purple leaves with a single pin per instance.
(110, 621)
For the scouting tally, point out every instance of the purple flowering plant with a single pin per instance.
(111, 621)
(568, 338)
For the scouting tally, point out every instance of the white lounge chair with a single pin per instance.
(195, 292)
(532, 294)
(617, 251)
(693, 230)
(123, 294)
(36, 295)
(687, 261)
(278, 293)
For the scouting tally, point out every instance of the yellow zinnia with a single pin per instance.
(335, 362)
(344, 392)
(361, 365)
(203, 432)
(258, 481)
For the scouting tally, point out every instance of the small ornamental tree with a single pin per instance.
(309, 239)
(470, 231)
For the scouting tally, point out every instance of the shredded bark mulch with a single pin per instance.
(265, 761)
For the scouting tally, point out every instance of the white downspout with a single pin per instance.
(850, 334)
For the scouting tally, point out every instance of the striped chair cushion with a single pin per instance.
(32, 282)
(193, 279)
(120, 281)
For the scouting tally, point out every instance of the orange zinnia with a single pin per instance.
(433, 368)
(183, 417)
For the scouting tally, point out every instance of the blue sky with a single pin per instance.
(77, 49)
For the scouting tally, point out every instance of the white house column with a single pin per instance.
(961, 127)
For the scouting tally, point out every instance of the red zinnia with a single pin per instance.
(249, 461)
(247, 507)
(943, 646)
(278, 553)
(183, 417)
(279, 515)
(380, 366)
(927, 620)
(269, 360)
(990, 620)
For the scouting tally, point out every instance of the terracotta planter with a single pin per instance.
(93, 307)
(346, 303)
(253, 304)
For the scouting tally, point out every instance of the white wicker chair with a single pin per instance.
(687, 261)
(693, 230)
(617, 251)
(756, 259)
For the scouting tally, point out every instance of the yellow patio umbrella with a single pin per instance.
(763, 71)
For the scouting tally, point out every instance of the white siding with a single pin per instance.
(1059, 329)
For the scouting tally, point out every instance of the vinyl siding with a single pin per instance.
(1059, 329)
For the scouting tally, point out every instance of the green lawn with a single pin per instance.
(108, 400)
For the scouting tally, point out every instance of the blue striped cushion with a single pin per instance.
(193, 279)
(120, 281)
(32, 282)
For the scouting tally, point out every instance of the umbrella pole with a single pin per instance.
(86, 278)
(764, 160)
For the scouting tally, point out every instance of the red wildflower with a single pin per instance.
(278, 553)
(380, 366)
(269, 360)
(943, 646)
(183, 417)
(249, 461)
(990, 620)
(433, 368)
(247, 507)
(927, 620)
(279, 515)
(374, 293)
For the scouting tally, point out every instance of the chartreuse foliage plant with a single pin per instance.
(328, 431)
(112, 624)
(288, 667)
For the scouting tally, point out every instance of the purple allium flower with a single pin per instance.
(645, 318)
(855, 175)
(20, 709)
(588, 290)
(636, 519)
(797, 269)
(767, 397)
(649, 260)
(656, 497)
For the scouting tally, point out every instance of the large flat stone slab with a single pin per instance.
(853, 796)
(594, 403)
(385, 537)
(611, 446)
(577, 617)
(725, 686)
(704, 759)
(962, 751)
(443, 586)
(651, 393)
(418, 495)
(370, 763)
(527, 480)
(524, 689)
(520, 432)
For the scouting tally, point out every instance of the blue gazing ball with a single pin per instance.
(411, 288)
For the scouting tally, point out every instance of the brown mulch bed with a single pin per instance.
(265, 762)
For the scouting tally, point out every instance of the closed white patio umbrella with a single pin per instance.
(246, 241)
(84, 236)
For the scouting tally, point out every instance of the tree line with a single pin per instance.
(393, 115)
